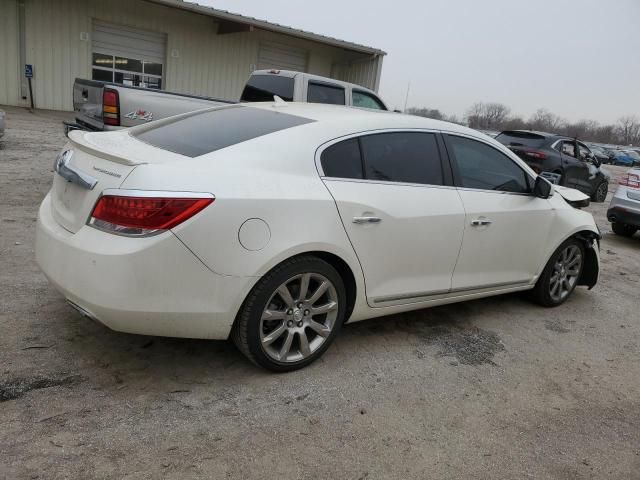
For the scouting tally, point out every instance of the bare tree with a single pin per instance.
(488, 116)
(546, 121)
(628, 129)
(426, 112)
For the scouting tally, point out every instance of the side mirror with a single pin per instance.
(542, 188)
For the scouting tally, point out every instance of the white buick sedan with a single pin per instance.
(274, 224)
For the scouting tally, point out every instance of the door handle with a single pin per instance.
(481, 222)
(362, 220)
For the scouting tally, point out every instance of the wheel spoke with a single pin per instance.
(285, 294)
(304, 286)
(286, 346)
(326, 308)
(322, 288)
(275, 334)
(319, 328)
(575, 260)
(273, 315)
(573, 271)
(554, 288)
(304, 344)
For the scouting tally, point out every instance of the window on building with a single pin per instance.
(126, 71)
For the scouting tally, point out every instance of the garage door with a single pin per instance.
(128, 55)
(284, 57)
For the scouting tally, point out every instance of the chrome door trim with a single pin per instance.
(72, 174)
(122, 192)
(433, 293)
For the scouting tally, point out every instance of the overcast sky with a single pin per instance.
(578, 58)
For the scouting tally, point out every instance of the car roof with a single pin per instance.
(352, 119)
(534, 132)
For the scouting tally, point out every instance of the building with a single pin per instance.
(168, 44)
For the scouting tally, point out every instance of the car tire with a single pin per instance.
(560, 276)
(284, 334)
(600, 195)
(623, 229)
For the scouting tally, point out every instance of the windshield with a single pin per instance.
(213, 130)
(521, 139)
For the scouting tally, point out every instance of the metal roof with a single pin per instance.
(270, 26)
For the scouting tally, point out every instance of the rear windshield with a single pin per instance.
(521, 139)
(262, 88)
(210, 131)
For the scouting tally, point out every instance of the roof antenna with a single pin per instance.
(278, 102)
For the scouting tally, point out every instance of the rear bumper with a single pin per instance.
(149, 286)
(622, 215)
(624, 209)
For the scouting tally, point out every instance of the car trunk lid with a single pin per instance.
(89, 164)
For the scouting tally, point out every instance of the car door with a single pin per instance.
(506, 227)
(575, 171)
(588, 182)
(401, 213)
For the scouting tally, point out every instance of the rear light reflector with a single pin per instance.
(110, 107)
(144, 215)
(631, 180)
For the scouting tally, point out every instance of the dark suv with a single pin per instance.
(562, 160)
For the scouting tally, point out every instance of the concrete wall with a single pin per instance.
(199, 61)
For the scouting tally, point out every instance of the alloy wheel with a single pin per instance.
(565, 273)
(299, 317)
(601, 192)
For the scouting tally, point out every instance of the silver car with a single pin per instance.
(624, 210)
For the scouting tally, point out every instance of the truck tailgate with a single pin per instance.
(87, 103)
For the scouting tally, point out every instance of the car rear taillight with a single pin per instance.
(110, 107)
(631, 180)
(144, 215)
(535, 154)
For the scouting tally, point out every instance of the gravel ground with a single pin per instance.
(497, 388)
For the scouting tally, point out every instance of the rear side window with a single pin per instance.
(262, 88)
(366, 100)
(324, 93)
(521, 139)
(485, 168)
(342, 160)
(216, 129)
(411, 157)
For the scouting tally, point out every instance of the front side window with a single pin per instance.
(411, 157)
(366, 100)
(483, 167)
(324, 93)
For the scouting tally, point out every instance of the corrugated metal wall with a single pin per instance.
(10, 69)
(362, 71)
(198, 60)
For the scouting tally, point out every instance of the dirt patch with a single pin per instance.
(470, 346)
(555, 326)
(17, 387)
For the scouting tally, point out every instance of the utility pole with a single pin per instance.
(406, 98)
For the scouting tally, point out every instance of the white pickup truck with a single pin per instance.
(109, 106)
